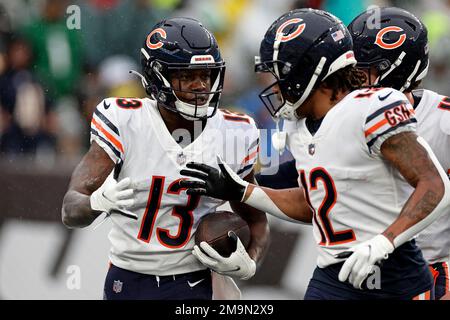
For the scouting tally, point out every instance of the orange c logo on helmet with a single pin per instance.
(159, 44)
(380, 42)
(298, 31)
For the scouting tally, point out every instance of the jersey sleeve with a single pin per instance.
(389, 114)
(251, 151)
(105, 129)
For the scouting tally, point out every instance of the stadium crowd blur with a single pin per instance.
(52, 76)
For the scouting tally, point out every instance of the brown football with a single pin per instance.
(213, 228)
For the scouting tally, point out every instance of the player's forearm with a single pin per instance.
(286, 204)
(76, 210)
(259, 229)
(259, 240)
(415, 160)
(425, 205)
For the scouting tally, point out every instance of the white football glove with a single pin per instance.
(237, 265)
(361, 262)
(114, 197)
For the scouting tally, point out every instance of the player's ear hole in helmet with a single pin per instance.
(182, 68)
(300, 50)
(396, 49)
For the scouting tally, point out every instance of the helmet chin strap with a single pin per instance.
(393, 66)
(422, 75)
(288, 111)
(191, 111)
(143, 81)
(187, 109)
(408, 81)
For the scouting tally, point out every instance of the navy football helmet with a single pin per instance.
(394, 42)
(301, 49)
(175, 45)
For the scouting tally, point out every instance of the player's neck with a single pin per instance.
(320, 102)
(409, 96)
(373, 75)
(175, 121)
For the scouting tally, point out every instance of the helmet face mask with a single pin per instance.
(183, 68)
(276, 95)
(173, 94)
(301, 49)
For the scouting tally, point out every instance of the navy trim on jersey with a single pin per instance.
(106, 121)
(417, 97)
(313, 125)
(245, 168)
(444, 104)
(113, 149)
(117, 169)
(285, 178)
(401, 124)
(379, 111)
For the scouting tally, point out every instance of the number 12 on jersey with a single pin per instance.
(328, 235)
(184, 213)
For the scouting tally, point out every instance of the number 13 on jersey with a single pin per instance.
(184, 213)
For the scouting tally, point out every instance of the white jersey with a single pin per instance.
(355, 194)
(433, 124)
(135, 136)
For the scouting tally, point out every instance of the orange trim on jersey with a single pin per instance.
(445, 104)
(375, 127)
(128, 103)
(302, 177)
(327, 236)
(327, 240)
(434, 273)
(447, 279)
(194, 204)
(250, 156)
(236, 118)
(173, 184)
(111, 138)
(367, 93)
(238, 114)
(423, 296)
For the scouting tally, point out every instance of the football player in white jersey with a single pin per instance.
(132, 170)
(394, 53)
(354, 151)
